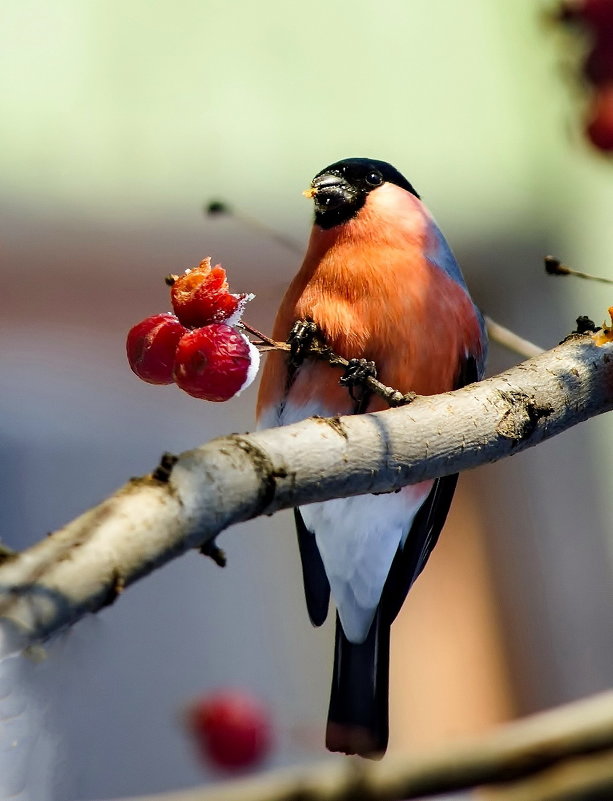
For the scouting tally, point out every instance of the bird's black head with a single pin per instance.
(340, 190)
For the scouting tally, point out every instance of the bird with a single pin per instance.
(379, 285)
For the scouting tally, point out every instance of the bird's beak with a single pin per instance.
(330, 191)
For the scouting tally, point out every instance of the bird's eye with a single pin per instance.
(374, 179)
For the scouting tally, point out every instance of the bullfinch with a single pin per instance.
(380, 283)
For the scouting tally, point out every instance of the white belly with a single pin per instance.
(357, 537)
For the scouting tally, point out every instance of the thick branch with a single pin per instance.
(85, 565)
(537, 751)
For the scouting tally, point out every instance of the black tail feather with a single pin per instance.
(358, 714)
(316, 584)
(358, 717)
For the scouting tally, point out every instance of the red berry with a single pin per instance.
(599, 128)
(201, 296)
(215, 362)
(232, 729)
(151, 347)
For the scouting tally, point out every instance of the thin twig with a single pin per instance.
(218, 208)
(553, 266)
(274, 345)
(391, 396)
(508, 339)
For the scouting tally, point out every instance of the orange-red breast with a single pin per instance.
(380, 283)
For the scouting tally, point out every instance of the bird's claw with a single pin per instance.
(300, 339)
(585, 325)
(357, 372)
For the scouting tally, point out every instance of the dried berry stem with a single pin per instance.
(272, 343)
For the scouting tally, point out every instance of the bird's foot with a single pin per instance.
(585, 325)
(300, 340)
(357, 373)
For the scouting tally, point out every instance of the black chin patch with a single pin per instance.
(329, 217)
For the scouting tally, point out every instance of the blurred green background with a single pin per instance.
(131, 110)
(118, 121)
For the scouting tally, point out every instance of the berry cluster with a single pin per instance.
(197, 347)
(595, 18)
(231, 728)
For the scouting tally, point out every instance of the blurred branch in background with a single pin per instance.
(188, 500)
(508, 339)
(562, 755)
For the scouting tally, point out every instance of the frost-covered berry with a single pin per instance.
(151, 347)
(201, 296)
(215, 362)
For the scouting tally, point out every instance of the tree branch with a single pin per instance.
(559, 755)
(188, 502)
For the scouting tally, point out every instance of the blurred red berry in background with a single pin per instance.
(593, 21)
(599, 126)
(232, 729)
